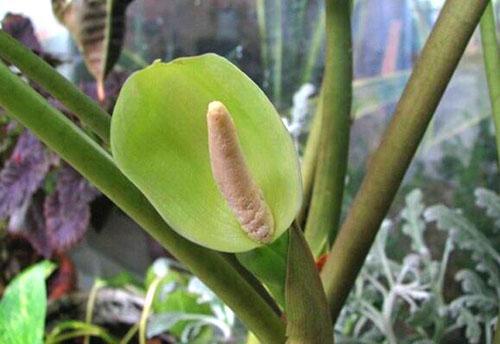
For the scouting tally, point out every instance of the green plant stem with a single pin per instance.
(309, 162)
(76, 334)
(277, 52)
(491, 54)
(315, 48)
(148, 305)
(260, 6)
(389, 163)
(43, 74)
(130, 334)
(87, 157)
(326, 202)
(89, 312)
(73, 329)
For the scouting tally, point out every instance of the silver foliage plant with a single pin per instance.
(406, 300)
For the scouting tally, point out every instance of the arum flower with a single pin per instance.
(209, 151)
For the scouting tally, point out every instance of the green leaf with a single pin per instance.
(23, 306)
(268, 264)
(160, 141)
(307, 313)
(181, 302)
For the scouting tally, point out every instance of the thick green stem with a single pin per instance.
(388, 165)
(491, 54)
(326, 203)
(86, 156)
(309, 162)
(43, 74)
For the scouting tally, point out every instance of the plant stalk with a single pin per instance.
(314, 50)
(309, 162)
(491, 55)
(328, 188)
(387, 167)
(43, 74)
(277, 51)
(88, 158)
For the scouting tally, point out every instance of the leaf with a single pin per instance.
(21, 29)
(22, 174)
(61, 220)
(268, 264)
(29, 223)
(424, 316)
(463, 232)
(194, 323)
(415, 224)
(67, 210)
(476, 293)
(471, 323)
(491, 202)
(23, 306)
(98, 27)
(159, 140)
(183, 302)
(307, 313)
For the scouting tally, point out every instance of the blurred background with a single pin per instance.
(279, 44)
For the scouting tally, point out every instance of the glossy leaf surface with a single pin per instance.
(159, 140)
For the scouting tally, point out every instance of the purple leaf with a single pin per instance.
(67, 210)
(23, 173)
(29, 223)
(21, 29)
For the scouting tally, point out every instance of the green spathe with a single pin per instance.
(159, 140)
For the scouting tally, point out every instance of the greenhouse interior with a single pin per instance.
(249, 171)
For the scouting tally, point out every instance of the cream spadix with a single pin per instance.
(233, 177)
(160, 140)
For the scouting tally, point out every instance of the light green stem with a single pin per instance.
(277, 44)
(148, 305)
(43, 74)
(328, 188)
(388, 165)
(491, 54)
(89, 310)
(260, 6)
(314, 50)
(309, 162)
(88, 158)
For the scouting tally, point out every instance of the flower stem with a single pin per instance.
(336, 93)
